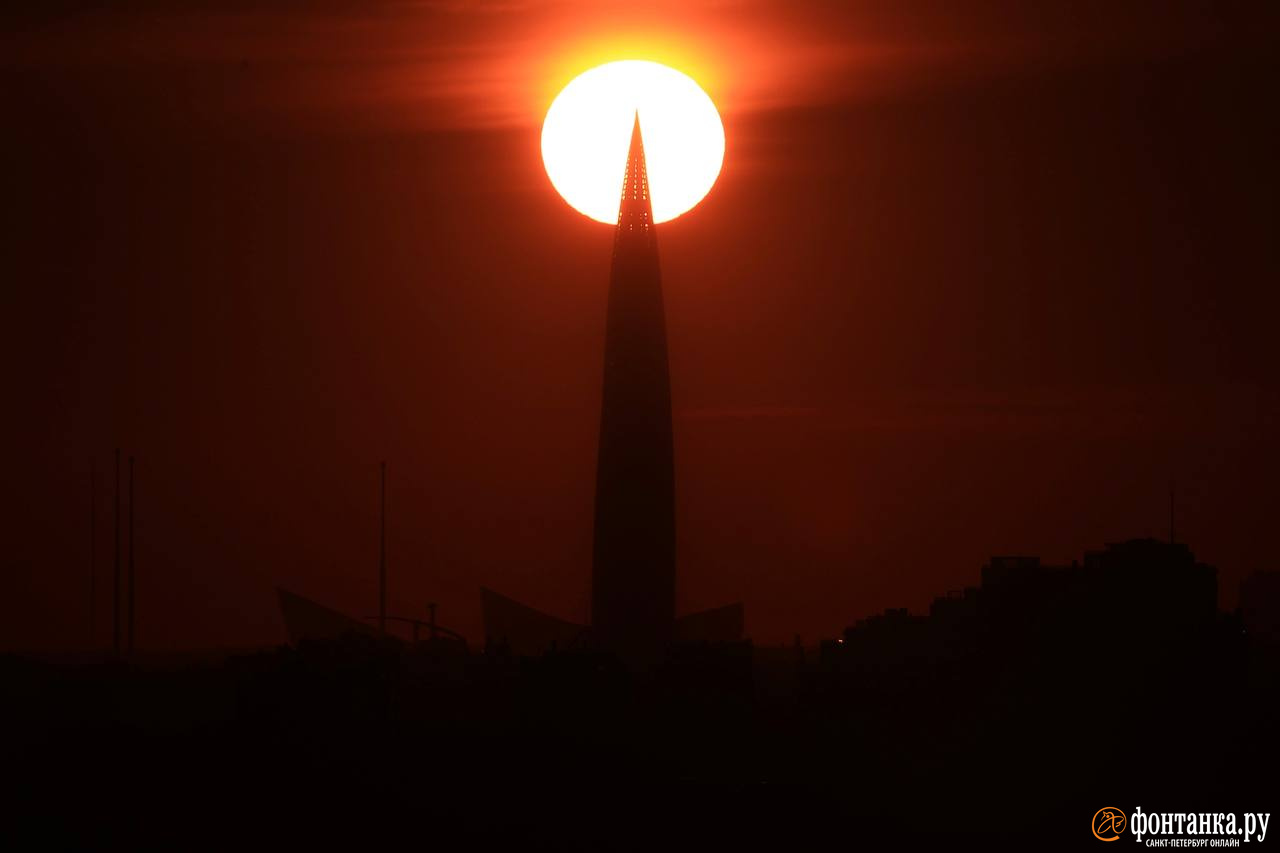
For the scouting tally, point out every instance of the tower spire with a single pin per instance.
(635, 213)
(633, 571)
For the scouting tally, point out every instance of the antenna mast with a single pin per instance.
(382, 553)
(115, 573)
(131, 538)
(93, 552)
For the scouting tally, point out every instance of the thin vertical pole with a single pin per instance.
(131, 538)
(382, 554)
(93, 552)
(115, 573)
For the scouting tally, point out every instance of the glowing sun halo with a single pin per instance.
(588, 128)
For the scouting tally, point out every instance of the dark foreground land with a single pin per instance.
(349, 743)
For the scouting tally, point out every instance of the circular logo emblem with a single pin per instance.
(1108, 823)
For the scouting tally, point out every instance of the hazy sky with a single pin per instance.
(973, 280)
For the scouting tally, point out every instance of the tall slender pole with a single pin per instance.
(115, 573)
(131, 537)
(93, 553)
(382, 554)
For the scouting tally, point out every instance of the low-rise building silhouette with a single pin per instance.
(1143, 595)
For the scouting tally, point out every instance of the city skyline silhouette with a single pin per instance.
(362, 490)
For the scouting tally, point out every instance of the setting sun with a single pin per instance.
(588, 128)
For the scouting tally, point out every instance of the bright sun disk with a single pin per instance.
(588, 129)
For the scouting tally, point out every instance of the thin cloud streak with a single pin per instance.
(433, 64)
(1069, 411)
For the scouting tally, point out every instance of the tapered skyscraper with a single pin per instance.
(634, 566)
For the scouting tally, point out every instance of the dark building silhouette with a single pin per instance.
(1142, 587)
(522, 629)
(1142, 597)
(306, 620)
(1260, 606)
(633, 563)
(633, 574)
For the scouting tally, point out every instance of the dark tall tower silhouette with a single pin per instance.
(633, 571)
